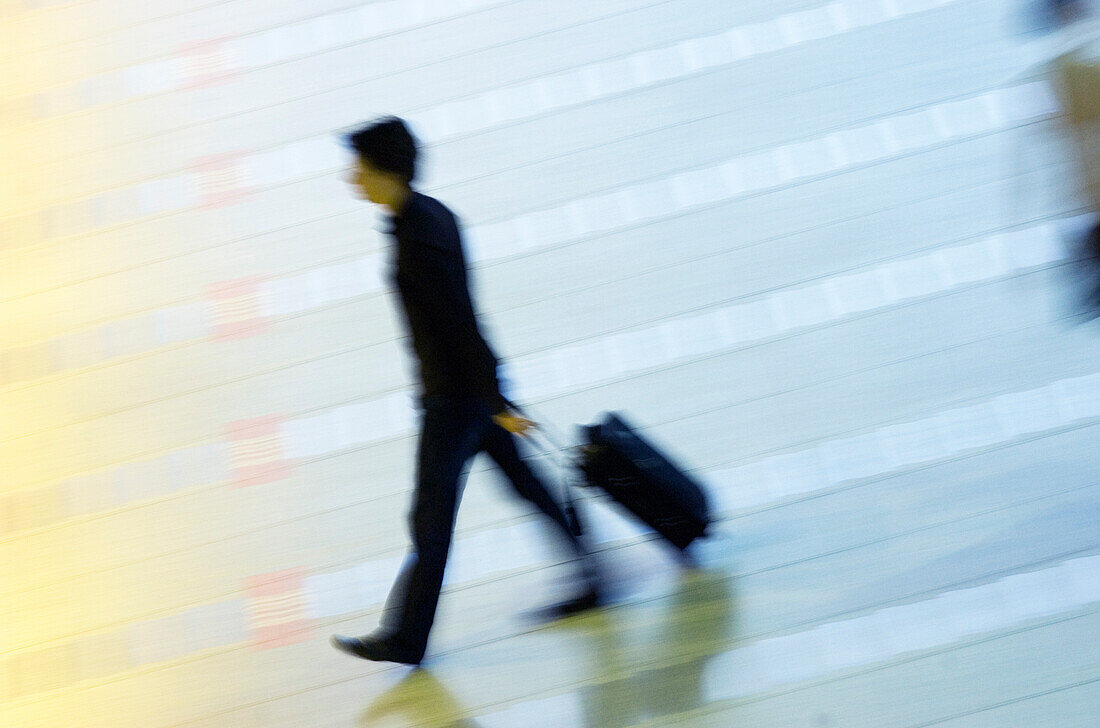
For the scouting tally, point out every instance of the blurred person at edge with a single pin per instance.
(1067, 11)
(462, 409)
(1067, 55)
(1078, 82)
(1074, 69)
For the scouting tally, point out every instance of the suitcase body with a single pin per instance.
(617, 460)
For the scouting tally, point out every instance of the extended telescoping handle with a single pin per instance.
(552, 438)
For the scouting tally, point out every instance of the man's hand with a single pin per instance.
(516, 424)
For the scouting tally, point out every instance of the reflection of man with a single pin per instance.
(464, 412)
(667, 679)
(419, 699)
(649, 665)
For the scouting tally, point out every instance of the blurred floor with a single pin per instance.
(818, 251)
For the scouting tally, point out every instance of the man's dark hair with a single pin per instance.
(388, 145)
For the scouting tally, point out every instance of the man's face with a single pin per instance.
(369, 181)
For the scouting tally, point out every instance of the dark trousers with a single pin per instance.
(453, 432)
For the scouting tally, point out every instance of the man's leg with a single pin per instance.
(501, 447)
(451, 434)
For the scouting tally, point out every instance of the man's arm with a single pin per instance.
(453, 318)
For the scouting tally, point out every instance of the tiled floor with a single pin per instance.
(818, 251)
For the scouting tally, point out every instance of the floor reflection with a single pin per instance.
(654, 670)
(648, 663)
(419, 699)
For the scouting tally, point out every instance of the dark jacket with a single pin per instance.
(429, 273)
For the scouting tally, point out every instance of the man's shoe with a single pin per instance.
(378, 649)
(588, 599)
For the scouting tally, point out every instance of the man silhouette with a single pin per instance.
(463, 411)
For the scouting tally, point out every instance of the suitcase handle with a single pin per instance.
(560, 453)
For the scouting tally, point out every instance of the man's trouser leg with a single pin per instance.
(451, 434)
(500, 445)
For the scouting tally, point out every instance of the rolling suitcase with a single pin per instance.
(617, 460)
